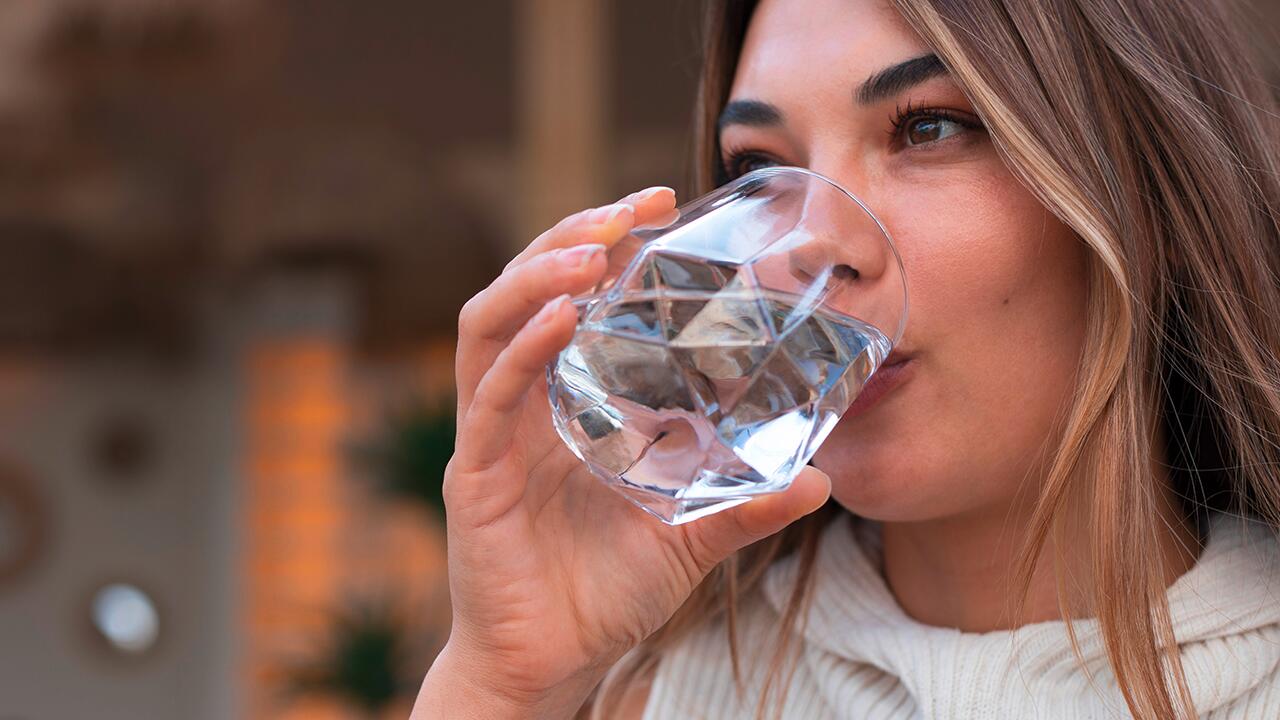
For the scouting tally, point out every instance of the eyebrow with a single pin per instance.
(880, 86)
(752, 113)
(896, 78)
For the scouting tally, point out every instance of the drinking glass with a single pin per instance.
(721, 348)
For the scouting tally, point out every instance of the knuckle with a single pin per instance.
(465, 320)
(515, 261)
(449, 487)
(745, 534)
(459, 488)
(697, 559)
(531, 282)
(467, 316)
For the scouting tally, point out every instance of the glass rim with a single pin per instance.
(582, 299)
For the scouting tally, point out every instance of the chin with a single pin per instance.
(879, 467)
(875, 474)
(880, 503)
(865, 490)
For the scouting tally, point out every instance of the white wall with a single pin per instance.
(171, 531)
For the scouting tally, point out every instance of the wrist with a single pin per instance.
(460, 686)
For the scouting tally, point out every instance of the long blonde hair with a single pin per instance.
(1142, 125)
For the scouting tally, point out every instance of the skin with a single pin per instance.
(997, 290)
(997, 284)
(952, 458)
(553, 576)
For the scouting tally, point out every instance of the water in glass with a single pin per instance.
(690, 388)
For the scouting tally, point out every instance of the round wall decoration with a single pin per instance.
(23, 524)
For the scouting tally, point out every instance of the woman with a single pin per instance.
(1068, 506)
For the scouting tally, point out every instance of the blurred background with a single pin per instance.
(234, 239)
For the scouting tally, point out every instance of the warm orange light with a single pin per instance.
(296, 414)
(314, 536)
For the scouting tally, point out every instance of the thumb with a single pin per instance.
(723, 533)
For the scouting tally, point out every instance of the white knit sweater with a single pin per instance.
(862, 658)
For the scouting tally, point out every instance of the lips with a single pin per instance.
(896, 370)
(895, 357)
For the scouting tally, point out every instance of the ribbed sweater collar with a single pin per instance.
(1226, 602)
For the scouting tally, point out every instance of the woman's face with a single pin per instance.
(997, 285)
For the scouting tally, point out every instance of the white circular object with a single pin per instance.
(126, 617)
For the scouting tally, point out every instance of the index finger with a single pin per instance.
(650, 205)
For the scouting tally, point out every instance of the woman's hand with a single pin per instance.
(554, 576)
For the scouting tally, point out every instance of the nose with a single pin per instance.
(833, 231)
(810, 260)
(832, 239)
(836, 254)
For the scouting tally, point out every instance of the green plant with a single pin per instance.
(408, 458)
(364, 660)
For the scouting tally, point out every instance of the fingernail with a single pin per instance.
(605, 215)
(578, 256)
(549, 310)
(650, 192)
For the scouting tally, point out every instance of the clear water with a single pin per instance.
(689, 389)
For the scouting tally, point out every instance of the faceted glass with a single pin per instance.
(721, 348)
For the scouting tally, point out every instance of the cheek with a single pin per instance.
(997, 288)
(997, 292)
(972, 252)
